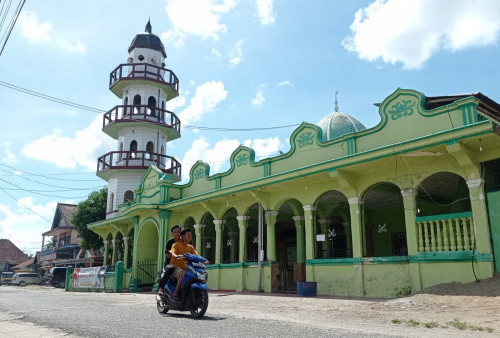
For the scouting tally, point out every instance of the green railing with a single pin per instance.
(450, 232)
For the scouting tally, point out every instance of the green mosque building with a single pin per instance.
(385, 211)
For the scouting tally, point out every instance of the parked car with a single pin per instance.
(6, 277)
(24, 278)
(57, 276)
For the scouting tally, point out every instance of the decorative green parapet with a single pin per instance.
(450, 232)
(69, 277)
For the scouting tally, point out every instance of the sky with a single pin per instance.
(242, 64)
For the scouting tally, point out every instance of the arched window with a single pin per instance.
(133, 149)
(137, 102)
(152, 106)
(128, 196)
(150, 148)
(111, 202)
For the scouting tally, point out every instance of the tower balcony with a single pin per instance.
(138, 160)
(143, 73)
(141, 115)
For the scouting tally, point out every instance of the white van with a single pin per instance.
(23, 278)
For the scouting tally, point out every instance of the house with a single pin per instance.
(10, 255)
(65, 236)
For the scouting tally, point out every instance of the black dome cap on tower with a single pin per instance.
(148, 40)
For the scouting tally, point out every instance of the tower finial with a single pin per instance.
(336, 106)
(148, 27)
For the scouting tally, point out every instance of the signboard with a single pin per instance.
(89, 277)
(320, 238)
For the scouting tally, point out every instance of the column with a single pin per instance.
(197, 231)
(412, 236)
(219, 226)
(299, 225)
(271, 216)
(113, 256)
(480, 215)
(356, 227)
(125, 252)
(242, 225)
(309, 230)
(105, 260)
(164, 216)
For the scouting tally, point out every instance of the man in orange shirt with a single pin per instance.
(178, 250)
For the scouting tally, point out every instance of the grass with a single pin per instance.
(456, 323)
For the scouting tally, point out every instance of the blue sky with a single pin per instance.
(241, 64)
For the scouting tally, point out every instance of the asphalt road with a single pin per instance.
(135, 315)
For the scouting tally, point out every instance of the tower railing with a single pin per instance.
(132, 71)
(124, 113)
(138, 159)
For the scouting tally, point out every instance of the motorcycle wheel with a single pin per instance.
(201, 303)
(162, 307)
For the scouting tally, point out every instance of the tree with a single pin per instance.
(50, 244)
(93, 209)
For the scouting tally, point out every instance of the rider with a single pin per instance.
(169, 269)
(179, 249)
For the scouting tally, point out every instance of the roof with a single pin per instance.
(65, 211)
(9, 253)
(24, 264)
(148, 40)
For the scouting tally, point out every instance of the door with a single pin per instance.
(493, 199)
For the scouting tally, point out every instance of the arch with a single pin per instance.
(111, 202)
(384, 227)
(133, 149)
(109, 257)
(128, 196)
(230, 237)
(443, 193)
(152, 106)
(189, 224)
(293, 204)
(332, 222)
(208, 237)
(252, 233)
(150, 148)
(137, 100)
(147, 251)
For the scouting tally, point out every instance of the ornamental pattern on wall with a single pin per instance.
(402, 109)
(241, 159)
(305, 139)
(198, 173)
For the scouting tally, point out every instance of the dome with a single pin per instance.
(337, 124)
(148, 40)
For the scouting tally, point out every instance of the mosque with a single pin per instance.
(385, 211)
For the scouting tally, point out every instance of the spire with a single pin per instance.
(336, 106)
(148, 27)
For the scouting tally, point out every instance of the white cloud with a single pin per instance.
(66, 152)
(259, 98)
(265, 11)
(410, 32)
(285, 83)
(196, 17)
(216, 53)
(8, 157)
(218, 155)
(23, 227)
(206, 98)
(236, 54)
(179, 101)
(37, 32)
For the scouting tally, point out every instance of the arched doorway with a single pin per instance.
(208, 238)
(252, 233)
(147, 253)
(230, 237)
(289, 271)
(384, 221)
(333, 226)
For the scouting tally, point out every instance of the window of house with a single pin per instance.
(128, 196)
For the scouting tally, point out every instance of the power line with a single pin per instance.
(26, 207)
(51, 178)
(97, 110)
(13, 23)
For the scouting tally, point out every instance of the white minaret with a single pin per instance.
(141, 125)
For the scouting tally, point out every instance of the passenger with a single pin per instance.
(178, 250)
(167, 268)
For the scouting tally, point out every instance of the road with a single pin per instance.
(56, 313)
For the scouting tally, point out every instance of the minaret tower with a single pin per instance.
(141, 125)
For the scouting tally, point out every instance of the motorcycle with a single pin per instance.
(193, 292)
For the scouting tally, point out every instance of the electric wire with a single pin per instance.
(13, 23)
(26, 207)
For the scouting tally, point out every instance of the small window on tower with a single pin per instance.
(129, 196)
(141, 57)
